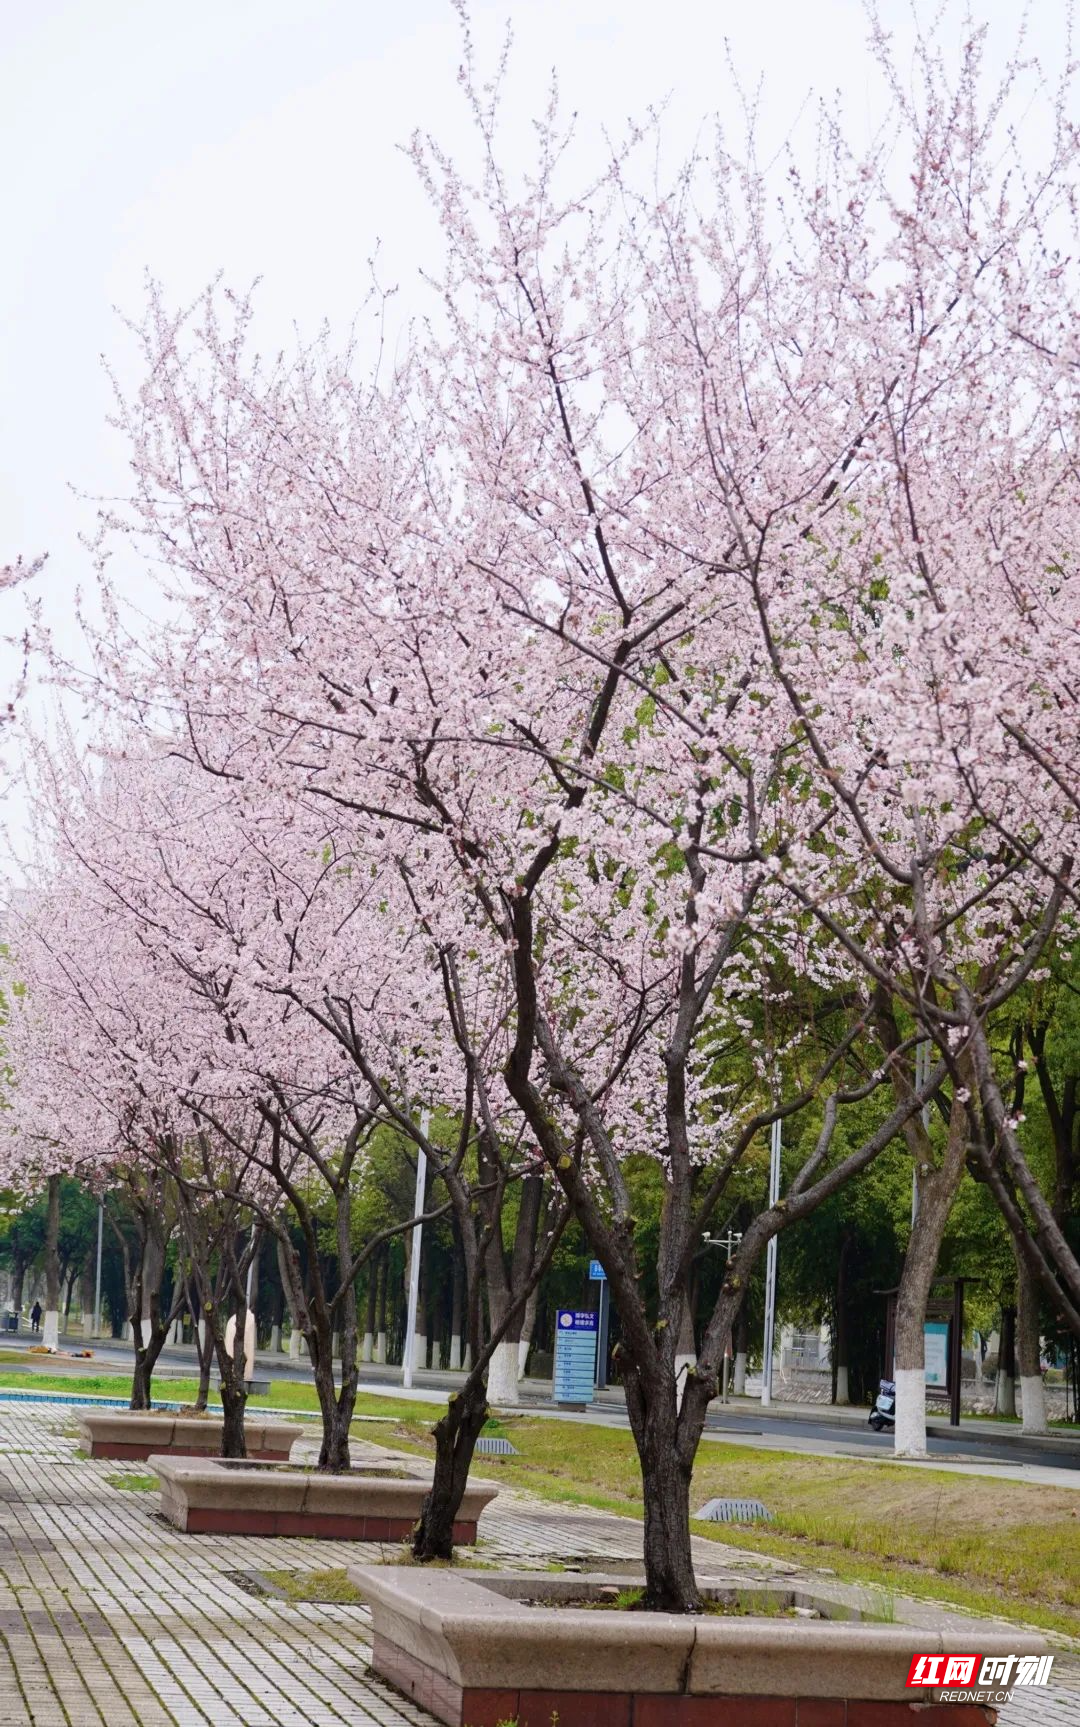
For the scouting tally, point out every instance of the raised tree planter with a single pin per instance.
(133, 1436)
(473, 1652)
(376, 1503)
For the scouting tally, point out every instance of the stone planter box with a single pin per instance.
(470, 1650)
(374, 1503)
(132, 1437)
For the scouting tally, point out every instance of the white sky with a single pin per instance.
(260, 137)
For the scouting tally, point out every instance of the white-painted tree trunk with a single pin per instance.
(524, 1345)
(88, 1324)
(466, 1361)
(177, 1335)
(296, 1344)
(1004, 1394)
(738, 1386)
(436, 1356)
(419, 1350)
(455, 1354)
(1033, 1404)
(910, 1434)
(275, 1340)
(50, 1335)
(367, 1348)
(335, 1346)
(380, 1348)
(842, 1395)
(503, 1375)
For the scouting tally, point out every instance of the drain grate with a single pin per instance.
(734, 1511)
(493, 1447)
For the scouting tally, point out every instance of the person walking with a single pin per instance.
(35, 1317)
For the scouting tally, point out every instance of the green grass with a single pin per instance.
(331, 1585)
(284, 1394)
(99, 1385)
(989, 1546)
(133, 1483)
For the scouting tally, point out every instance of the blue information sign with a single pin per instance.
(575, 1355)
(596, 1271)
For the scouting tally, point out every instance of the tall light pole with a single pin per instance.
(770, 1269)
(408, 1354)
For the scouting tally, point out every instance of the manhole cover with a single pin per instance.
(493, 1447)
(734, 1511)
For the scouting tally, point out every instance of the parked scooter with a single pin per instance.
(883, 1413)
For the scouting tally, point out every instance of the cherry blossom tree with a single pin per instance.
(298, 1011)
(684, 633)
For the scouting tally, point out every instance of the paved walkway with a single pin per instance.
(111, 1618)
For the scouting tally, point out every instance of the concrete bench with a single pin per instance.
(469, 1649)
(367, 1504)
(132, 1435)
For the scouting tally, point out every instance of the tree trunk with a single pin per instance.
(1032, 1395)
(149, 1342)
(909, 1362)
(87, 1283)
(841, 1394)
(457, 1308)
(528, 1326)
(51, 1333)
(277, 1318)
(368, 1347)
(742, 1341)
(1005, 1390)
(204, 1349)
(935, 1188)
(231, 1365)
(18, 1280)
(334, 1455)
(455, 1440)
(506, 1283)
(148, 1334)
(233, 1400)
(502, 1379)
(670, 1584)
(140, 1381)
(380, 1316)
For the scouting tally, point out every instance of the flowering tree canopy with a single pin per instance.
(674, 650)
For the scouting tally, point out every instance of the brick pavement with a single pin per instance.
(111, 1618)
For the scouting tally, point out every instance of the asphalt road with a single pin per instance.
(846, 1436)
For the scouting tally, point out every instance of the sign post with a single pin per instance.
(597, 1274)
(576, 1335)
